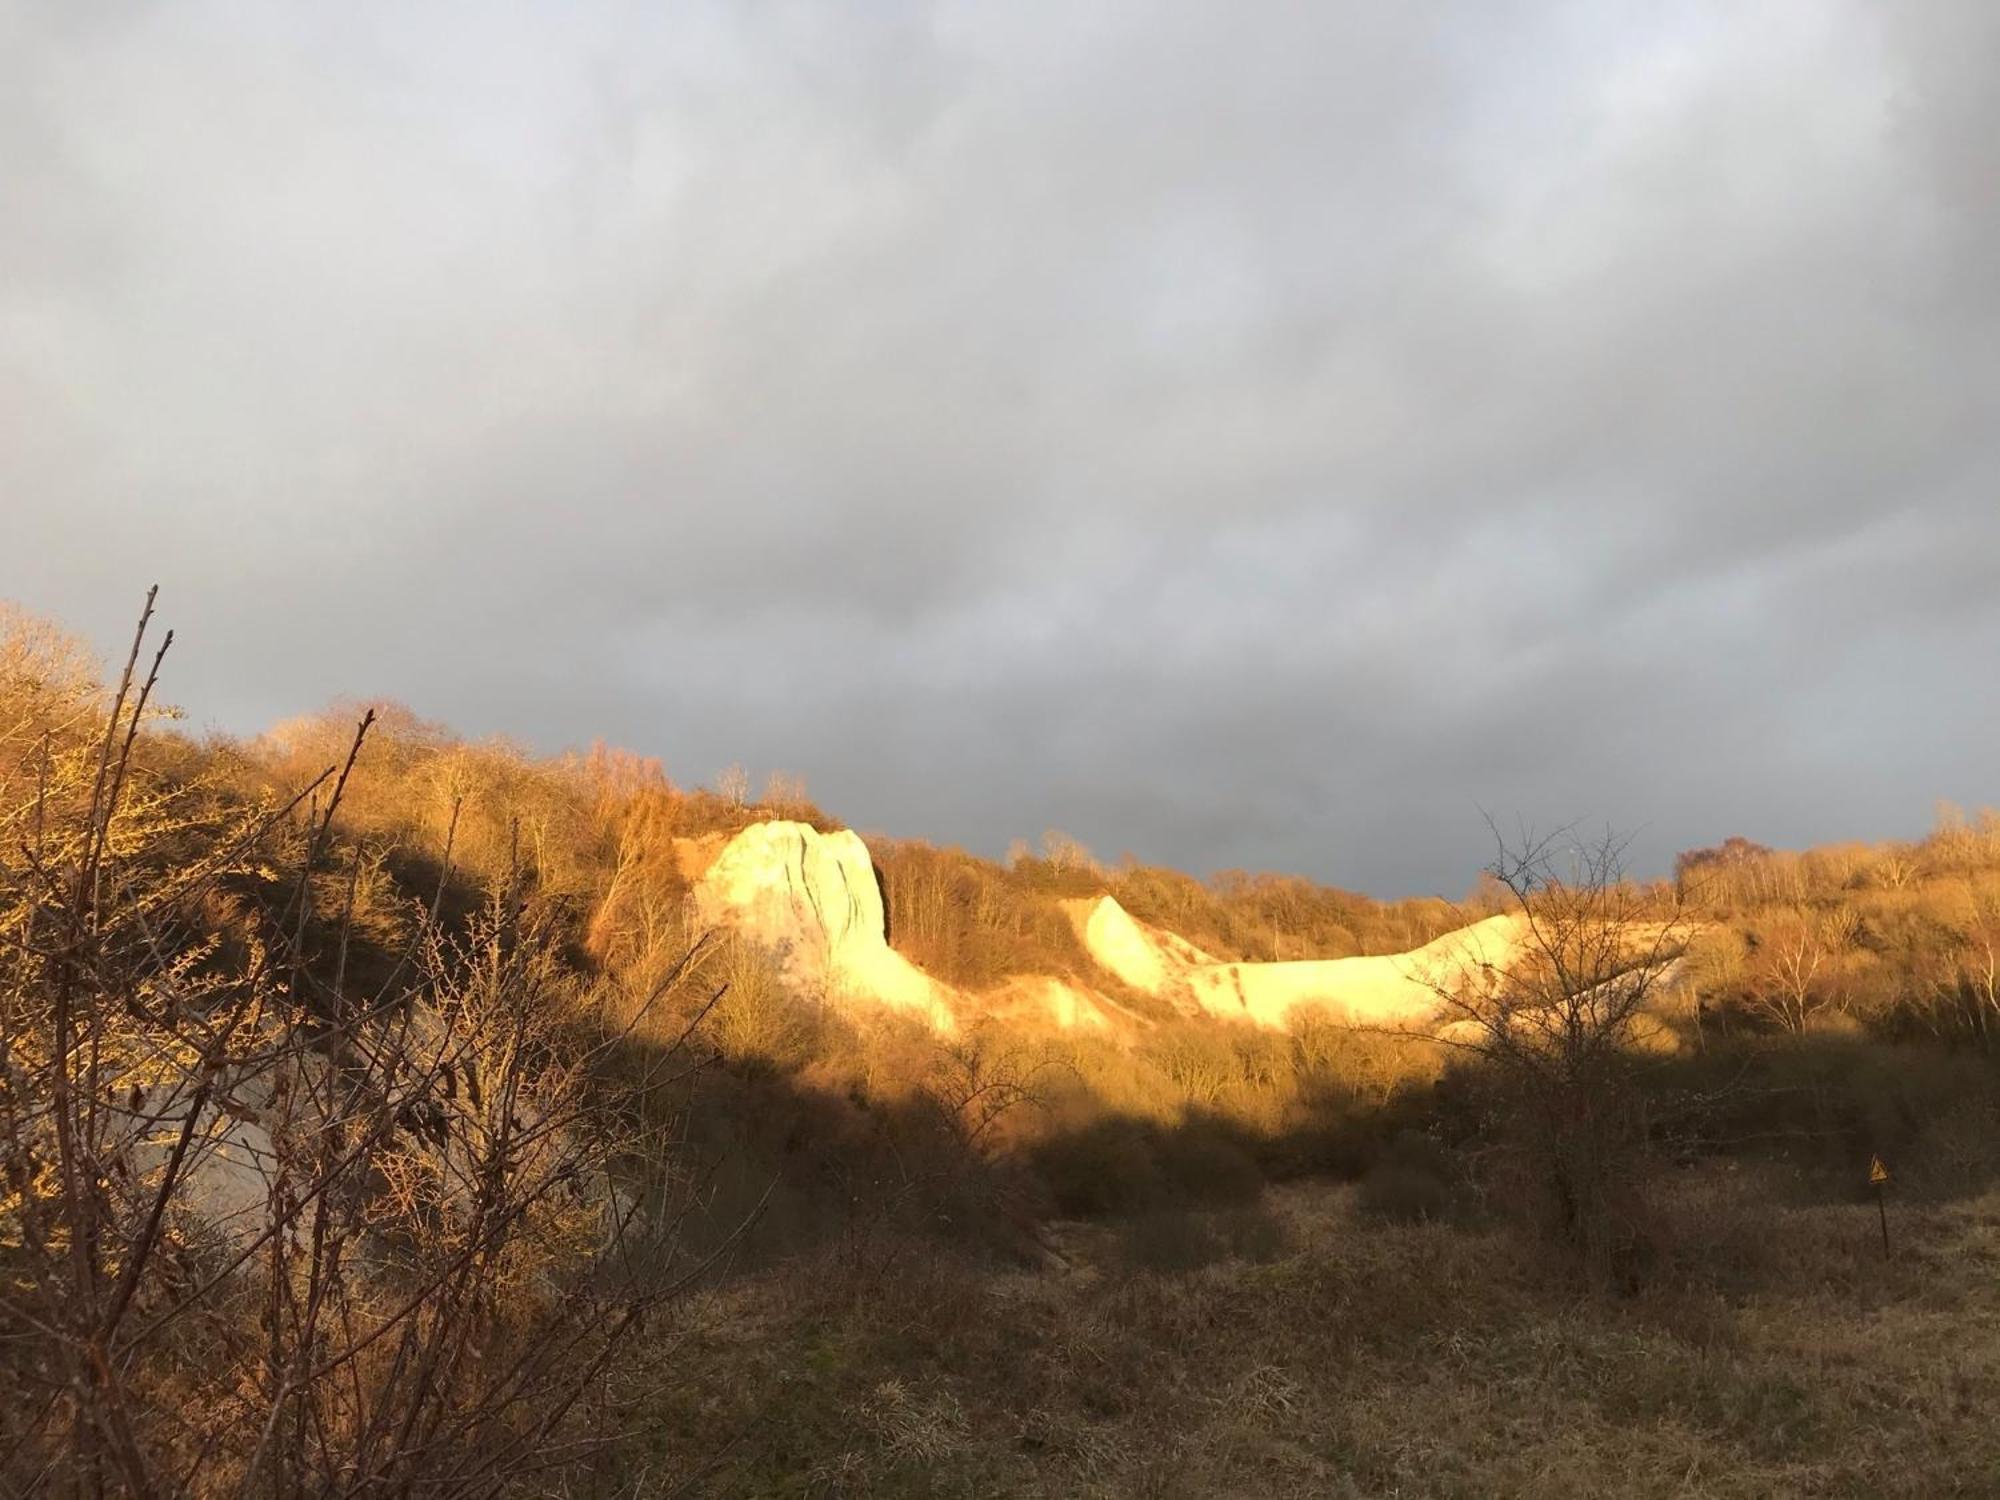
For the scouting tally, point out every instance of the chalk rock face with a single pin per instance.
(811, 899)
(1150, 960)
(1397, 989)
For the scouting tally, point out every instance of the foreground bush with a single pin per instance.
(263, 1231)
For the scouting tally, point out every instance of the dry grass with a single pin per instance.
(1783, 1357)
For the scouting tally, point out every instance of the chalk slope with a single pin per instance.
(812, 900)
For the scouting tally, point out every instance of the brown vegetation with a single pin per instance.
(428, 1019)
(267, 1230)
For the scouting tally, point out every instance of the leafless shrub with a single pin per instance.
(261, 1233)
(732, 784)
(1797, 964)
(1554, 1027)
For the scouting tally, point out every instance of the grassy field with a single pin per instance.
(1307, 1347)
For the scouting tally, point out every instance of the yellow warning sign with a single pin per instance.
(1877, 1173)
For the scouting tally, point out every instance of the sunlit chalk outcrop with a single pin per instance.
(1397, 989)
(1401, 989)
(812, 901)
(1150, 960)
(1044, 998)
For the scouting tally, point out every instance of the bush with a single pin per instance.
(289, 1204)
(1103, 1168)
(1416, 1180)
(1204, 1161)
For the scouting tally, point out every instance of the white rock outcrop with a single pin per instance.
(812, 901)
(1146, 958)
(1398, 989)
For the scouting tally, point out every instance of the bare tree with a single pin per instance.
(1962, 982)
(1896, 866)
(1066, 852)
(786, 793)
(1552, 1025)
(733, 786)
(1979, 960)
(1795, 969)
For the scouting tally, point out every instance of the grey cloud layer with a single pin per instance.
(1256, 439)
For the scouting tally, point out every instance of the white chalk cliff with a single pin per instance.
(1399, 989)
(1148, 959)
(812, 900)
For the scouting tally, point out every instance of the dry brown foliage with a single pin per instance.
(263, 1232)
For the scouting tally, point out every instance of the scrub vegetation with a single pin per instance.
(375, 1120)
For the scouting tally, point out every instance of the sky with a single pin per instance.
(1269, 436)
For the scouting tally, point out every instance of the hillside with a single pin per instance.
(354, 1048)
(811, 901)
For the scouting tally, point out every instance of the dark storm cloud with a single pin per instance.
(1244, 438)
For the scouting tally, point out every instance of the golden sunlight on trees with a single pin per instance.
(269, 1231)
(1963, 974)
(784, 793)
(1797, 964)
(1064, 852)
(732, 784)
(48, 684)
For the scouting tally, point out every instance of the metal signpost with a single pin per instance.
(1878, 1179)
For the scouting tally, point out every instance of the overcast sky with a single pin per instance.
(1244, 435)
